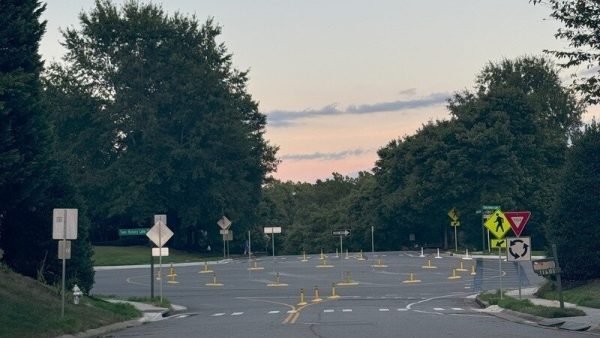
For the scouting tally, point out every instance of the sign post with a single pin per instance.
(518, 249)
(64, 226)
(272, 231)
(486, 210)
(224, 224)
(346, 232)
(160, 234)
(453, 214)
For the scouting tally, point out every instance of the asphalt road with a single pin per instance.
(383, 304)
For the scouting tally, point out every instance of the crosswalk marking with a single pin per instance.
(273, 312)
(237, 313)
(218, 314)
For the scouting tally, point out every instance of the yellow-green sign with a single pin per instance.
(498, 243)
(453, 214)
(497, 224)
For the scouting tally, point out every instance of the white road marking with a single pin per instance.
(401, 309)
(458, 309)
(237, 313)
(384, 310)
(292, 311)
(273, 312)
(438, 309)
(346, 310)
(218, 314)
(328, 310)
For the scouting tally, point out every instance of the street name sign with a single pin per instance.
(519, 249)
(159, 234)
(133, 232)
(344, 232)
(497, 224)
(517, 220)
(59, 217)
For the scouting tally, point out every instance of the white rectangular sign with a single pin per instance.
(223, 232)
(59, 231)
(162, 218)
(518, 249)
(272, 230)
(67, 249)
(156, 252)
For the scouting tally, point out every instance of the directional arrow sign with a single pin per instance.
(497, 224)
(517, 220)
(498, 243)
(344, 232)
(519, 249)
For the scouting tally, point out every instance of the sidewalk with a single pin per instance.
(588, 323)
(150, 313)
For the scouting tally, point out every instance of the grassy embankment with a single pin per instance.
(587, 294)
(525, 306)
(136, 255)
(31, 309)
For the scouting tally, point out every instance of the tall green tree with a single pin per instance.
(32, 182)
(582, 28)
(179, 133)
(573, 226)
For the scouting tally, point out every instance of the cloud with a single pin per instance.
(408, 92)
(283, 118)
(325, 156)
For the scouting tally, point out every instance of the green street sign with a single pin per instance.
(133, 232)
(490, 207)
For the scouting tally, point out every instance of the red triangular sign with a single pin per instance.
(517, 220)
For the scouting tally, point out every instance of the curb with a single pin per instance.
(529, 319)
(106, 329)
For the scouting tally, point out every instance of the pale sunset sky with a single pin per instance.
(339, 79)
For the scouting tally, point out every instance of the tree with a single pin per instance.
(32, 182)
(179, 134)
(573, 226)
(582, 28)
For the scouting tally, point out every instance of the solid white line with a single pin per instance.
(218, 314)
(273, 312)
(237, 313)
(346, 310)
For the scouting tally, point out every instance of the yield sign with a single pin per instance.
(517, 220)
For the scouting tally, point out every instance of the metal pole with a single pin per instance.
(455, 240)
(558, 279)
(341, 245)
(372, 241)
(482, 234)
(64, 263)
(151, 275)
(160, 262)
(489, 247)
(249, 245)
(224, 254)
(273, 242)
(500, 262)
(519, 276)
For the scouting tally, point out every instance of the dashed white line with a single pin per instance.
(384, 310)
(402, 309)
(457, 309)
(237, 313)
(328, 310)
(346, 310)
(218, 314)
(273, 312)
(438, 309)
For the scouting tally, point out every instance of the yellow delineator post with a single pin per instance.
(347, 280)
(333, 294)
(172, 279)
(316, 297)
(360, 256)
(214, 282)
(324, 264)
(302, 300)
(205, 270)
(473, 273)
(462, 268)
(412, 279)
(304, 258)
(255, 266)
(454, 275)
(429, 266)
(379, 264)
(277, 282)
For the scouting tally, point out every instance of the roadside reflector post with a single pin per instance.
(462, 268)
(205, 270)
(422, 254)
(333, 294)
(412, 279)
(302, 301)
(473, 273)
(316, 297)
(438, 253)
(429, 266)
(454, 275)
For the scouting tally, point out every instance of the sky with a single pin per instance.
(340, 79)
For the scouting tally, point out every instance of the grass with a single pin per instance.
(587, 294)
(31, 309)
(525, 306)
(136, 255)
(154, 301)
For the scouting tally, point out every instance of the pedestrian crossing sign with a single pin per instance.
(497, 224)
(498, 243)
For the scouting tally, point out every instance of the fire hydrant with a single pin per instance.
(76, 294)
